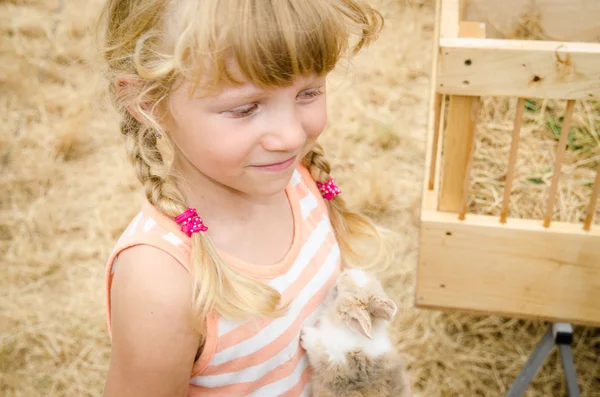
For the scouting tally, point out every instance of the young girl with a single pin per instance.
(243, 229)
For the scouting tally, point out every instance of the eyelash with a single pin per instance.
(314, 93)
(245, 112)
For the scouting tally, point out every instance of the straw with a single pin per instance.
(67, 192)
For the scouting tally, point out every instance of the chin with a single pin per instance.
(269, 185)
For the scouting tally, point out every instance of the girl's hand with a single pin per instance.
(154, 343)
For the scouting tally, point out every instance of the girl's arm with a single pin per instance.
(154, 343)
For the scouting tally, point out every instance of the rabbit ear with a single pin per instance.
(383, 308)
(360, 321)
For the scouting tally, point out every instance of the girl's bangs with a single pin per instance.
(265, 42)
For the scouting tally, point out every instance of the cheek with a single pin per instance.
(196, 135)
(214, 146)
(316, 122)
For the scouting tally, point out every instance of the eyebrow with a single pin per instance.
(244, 92)
(248, 91)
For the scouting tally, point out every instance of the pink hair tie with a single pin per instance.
(190, 222)
(329, 189)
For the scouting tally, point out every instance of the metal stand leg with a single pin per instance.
(566, 357)
(533, 365)
(560, 334)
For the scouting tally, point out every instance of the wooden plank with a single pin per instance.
(438, 108)
(558, 161)
(519, 269)
(431, 156)
(587, 224)
(512, 159)
(518, 68)
(450, 18)
(560, 20)
(457, 144)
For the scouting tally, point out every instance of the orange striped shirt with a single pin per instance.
(260, 357)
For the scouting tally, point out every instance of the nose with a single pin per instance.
(285, 134)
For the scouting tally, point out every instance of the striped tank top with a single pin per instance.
(262, 356)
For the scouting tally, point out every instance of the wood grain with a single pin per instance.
(517, 68)
(519, 269)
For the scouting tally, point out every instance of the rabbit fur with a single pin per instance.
(349, 349)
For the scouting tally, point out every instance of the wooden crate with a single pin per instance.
(500, 265)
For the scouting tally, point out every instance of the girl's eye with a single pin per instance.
(243, 111)
(310, 93)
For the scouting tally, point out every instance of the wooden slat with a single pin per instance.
(512, 159)
(458, 143)
(450, 17)
(431, 156)
(561, 20)
(467, 174)
(558, 161)
(438, 108)
(593, 200)
(517, 68)
(519, 269)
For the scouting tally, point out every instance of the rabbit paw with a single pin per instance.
(308, 338)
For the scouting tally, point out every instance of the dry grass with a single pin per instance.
(67, 192)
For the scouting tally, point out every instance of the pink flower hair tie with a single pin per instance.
(329, 189)
(190, 222)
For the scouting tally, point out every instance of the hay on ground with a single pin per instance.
(67, 192)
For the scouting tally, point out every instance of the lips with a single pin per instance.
(277, 166)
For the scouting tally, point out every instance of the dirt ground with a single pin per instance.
(67, 192)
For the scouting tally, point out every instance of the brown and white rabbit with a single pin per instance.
(349, 349)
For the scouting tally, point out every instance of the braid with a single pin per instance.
(148, 163)
(352, 230)
(317, 164)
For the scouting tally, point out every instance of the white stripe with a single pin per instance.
(121, 238)
(281, 324)
(255, 372)
(114, 266)
(307, 204)
(281, 386)
(307, 390)
(296, 178)
(134, 223)
(149, 224)
(173, 239)
(226, 326)
(307, 253)
(282, 282)
(250, 374)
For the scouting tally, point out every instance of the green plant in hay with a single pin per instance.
(539, 179)
(532, 106)
(573, 139)
(536, 180)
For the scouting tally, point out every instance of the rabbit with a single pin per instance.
(348, 348)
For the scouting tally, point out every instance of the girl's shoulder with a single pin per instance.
(147, 288)
(151, 241)
(150, 227)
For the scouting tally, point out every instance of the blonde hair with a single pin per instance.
(158, 42)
